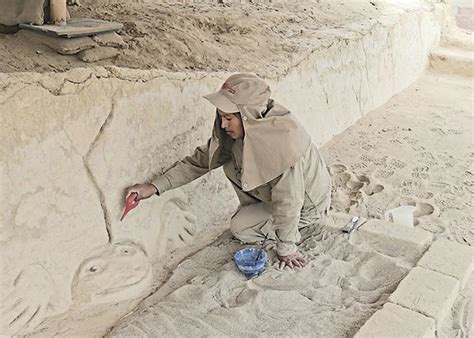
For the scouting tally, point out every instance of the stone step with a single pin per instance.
(388, 238)
(395, 321)
(453, 61)
(449, 258)
(427, 292)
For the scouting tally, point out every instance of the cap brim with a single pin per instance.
(222, 102)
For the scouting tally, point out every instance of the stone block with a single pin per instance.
(387, 238)
(60, 45)
(449, 258)
(111, 39)
(427, 292)
(394, 240)
(98, 53)
(395, 321)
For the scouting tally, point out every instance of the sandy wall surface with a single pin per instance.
(73, 141)
(69, 152)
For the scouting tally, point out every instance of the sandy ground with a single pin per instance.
(263, 38)
(416, 149)
(419, 149)
(465, 18)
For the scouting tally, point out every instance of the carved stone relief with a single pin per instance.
(28, 301)
(112, 273)
(178, 225)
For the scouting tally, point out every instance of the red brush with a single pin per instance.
(131, 203)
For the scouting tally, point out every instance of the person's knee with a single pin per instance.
(235, 228)
(247, 220)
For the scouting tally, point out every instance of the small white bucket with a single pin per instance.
(402, 215)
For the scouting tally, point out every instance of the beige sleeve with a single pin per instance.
(184, 171)
(287, 201)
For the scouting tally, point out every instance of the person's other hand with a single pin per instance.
(292, 260)
(143, 191)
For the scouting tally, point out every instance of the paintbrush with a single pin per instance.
(261, 247)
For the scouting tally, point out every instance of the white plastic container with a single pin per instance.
(402, 215)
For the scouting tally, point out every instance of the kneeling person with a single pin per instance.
(277, 172)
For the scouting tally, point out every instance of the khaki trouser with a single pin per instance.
(252, 222)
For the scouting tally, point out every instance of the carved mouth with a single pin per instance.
(132, 289)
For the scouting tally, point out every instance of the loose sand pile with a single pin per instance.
(416, 149)
(263, 38)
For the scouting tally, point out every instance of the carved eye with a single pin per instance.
(92, 269)
(127, 251)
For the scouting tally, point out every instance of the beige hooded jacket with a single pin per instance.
(275, 163)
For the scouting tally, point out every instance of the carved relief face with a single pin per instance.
(120, 272)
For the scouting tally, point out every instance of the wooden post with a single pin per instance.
(58, 12)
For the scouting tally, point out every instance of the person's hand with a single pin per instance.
(292, 260)
(143, 191)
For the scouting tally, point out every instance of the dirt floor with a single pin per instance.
(263, 38)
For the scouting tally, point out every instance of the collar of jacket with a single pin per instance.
(274, 141)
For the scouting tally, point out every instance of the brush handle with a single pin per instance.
(258, 256)
(261, 247)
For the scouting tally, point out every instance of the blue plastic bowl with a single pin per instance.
(245, 260)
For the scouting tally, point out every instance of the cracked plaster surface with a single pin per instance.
(335, 86)
(50, 212)
(150, 126)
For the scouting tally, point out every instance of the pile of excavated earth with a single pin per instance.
(384, 88)
(263, 38)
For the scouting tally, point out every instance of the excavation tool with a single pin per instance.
(130, 204)
(355, 223)
(261, 247)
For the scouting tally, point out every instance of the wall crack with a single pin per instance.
(93, 179)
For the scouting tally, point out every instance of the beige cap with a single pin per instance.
(240, 89)
(223, 103)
